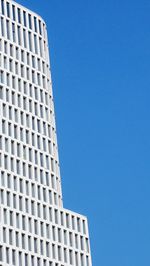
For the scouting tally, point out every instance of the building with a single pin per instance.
(35, 229)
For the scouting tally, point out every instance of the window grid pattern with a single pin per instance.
(35, 229)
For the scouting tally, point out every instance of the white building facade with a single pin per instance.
(35, 229)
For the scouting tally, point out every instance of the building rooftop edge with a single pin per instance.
(28, 10)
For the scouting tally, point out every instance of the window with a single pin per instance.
(30, 23)
(2, 7)
(8, 9)
(13, 257)
(13, 12)
(24, 19)
(19, 15)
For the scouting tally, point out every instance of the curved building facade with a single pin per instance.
(35, 229)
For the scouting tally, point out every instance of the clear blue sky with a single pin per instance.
(100, 61)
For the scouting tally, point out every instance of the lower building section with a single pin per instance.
(60, 240)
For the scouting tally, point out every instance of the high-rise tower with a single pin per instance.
(35, 229)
